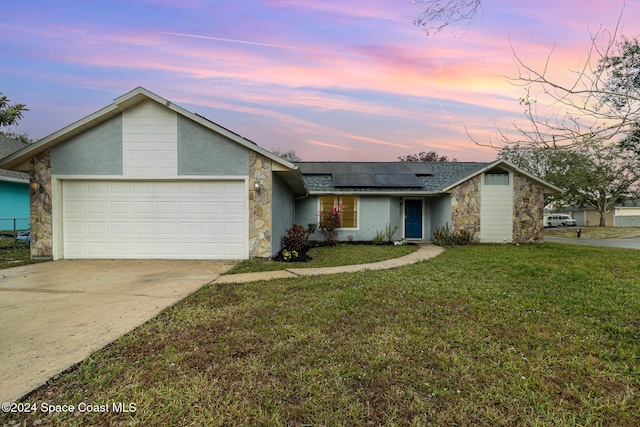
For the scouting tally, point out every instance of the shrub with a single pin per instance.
(389, 232)
(329, 221)
(445, 236)
(296, 240)
(379, 237)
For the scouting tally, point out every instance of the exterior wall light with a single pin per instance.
(37, 186)
(256, 186)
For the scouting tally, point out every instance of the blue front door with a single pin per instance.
(413, 219)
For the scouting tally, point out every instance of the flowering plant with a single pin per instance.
(329, 221)
(289, 255)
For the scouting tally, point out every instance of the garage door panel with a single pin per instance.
(94, 207)
(143, 219)
(99, 228)
(95, 187)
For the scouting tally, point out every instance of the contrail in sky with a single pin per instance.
(276, 46)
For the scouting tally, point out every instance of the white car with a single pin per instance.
(562, 220)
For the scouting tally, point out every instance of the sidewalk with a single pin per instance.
(425, 251)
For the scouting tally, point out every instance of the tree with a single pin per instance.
(591, 175)
(631, 142)
(289, 156)
(22, 137)
(601, 102)
(536, 161)
(435, 15)
(423, 156)
(10, 114)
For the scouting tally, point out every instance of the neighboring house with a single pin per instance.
(624, 215)
(144, 178)
(587, 216)
(495, 202)
(627, 214)
(14, 190)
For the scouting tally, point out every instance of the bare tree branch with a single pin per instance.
(435, 15)
(600, 103)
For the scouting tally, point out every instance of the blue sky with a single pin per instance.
(332, 80)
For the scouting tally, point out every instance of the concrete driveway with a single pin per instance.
(628, 243)
(55, 314)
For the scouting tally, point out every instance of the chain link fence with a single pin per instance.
(13, 231)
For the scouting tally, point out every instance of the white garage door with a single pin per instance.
(155, 219)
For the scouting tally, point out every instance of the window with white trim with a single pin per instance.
(347, 204)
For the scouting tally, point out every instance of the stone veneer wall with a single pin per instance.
(41, 207)
(259, 206)
(465, 207)
(528, 210)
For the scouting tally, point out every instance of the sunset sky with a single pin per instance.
(330, 79)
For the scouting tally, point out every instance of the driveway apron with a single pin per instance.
(55, 314)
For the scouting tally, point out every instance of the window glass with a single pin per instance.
(349, 211)
(348, 204)
(496, 179)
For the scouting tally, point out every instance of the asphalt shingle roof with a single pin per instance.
(10, 146)
(434, 176)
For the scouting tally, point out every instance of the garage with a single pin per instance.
(137, 219)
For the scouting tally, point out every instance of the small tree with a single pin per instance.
(329, 222)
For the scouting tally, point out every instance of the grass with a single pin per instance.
(594, 232)
(528, 335)
(13, 255)
(341, 254)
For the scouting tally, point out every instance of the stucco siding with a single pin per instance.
(149, 141)
(440, 213)
(97, 151)
(283, 212)
(204, 152)
(374, 213)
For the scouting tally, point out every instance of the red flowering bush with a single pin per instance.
(329, 221)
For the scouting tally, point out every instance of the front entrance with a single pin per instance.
(413, 219)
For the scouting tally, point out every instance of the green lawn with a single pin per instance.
(329, 256)
(528, 335)
(13, 255)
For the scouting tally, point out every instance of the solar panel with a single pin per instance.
(354, 180)
(400, 180)
(399, 167)
(380, 168)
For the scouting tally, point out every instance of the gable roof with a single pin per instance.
(427, 178)
(119, 105)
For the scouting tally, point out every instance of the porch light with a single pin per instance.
(256, 186)
(37, 186)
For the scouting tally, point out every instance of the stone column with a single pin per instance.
(465, 207)
(41, 207)
(528, 210)
(259, 206)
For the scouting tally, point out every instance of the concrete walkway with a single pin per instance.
(425, 251)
